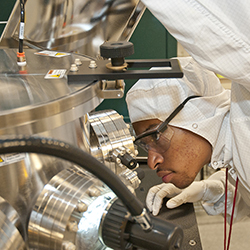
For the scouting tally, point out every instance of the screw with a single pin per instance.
(78, 62)
(66, 245)
(72, 226)
(73, 68)
(81, 207)
(92, 65)
(94, 192)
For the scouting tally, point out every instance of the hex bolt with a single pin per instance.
(67, 245)
(94, 192)
(92, 64)
(78, 62)
(81, 207)
(73, 67)
(72, 226)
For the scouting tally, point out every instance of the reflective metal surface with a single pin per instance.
(75, 25)
(108, 132)
(11, 230)
(46, 202)
(10, 238)
(57, 219)
(30, 103)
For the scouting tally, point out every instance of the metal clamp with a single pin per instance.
(111, 89)
(144, 220)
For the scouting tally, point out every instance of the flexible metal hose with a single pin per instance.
(57, 148)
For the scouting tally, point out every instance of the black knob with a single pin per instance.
(120, 231)
(128, 160)
(117, 51)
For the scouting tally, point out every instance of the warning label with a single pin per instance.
(52, 53)
(11, 158)
(55, 74)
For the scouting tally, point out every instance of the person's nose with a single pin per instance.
(154, 159)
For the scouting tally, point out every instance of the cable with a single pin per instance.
(53, 147)
(21, 31)
(227, 241)
(21, 61)
(232, 215)
(225, 212)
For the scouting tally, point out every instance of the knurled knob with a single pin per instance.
(117, 51)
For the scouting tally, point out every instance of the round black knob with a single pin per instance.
(117, 51)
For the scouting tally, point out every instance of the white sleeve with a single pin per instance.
(241, 208)
(215, 33)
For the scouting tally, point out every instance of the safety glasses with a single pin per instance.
(158, 139)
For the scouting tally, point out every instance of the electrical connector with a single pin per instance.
(21, 60)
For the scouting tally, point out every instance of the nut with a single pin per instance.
(92, 65)
(81, 206)
(72, 226)
(67, 245)
(73, 68)
(78, 62)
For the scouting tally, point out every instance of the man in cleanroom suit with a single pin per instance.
(213, 128)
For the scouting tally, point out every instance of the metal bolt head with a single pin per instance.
(92, 65)
(78, 62)
(67, 245)
(94, 192)
(81, 206)
(72, 226)
(73, 67)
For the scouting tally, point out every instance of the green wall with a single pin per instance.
(6, 7)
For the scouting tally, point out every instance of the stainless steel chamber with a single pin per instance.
(73, 25)
(48, 202)
(48, 194)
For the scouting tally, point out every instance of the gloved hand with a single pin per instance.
(207, 190)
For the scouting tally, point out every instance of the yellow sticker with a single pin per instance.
(55, 74)
(52, 53)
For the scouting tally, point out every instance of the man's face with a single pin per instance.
(183, 160)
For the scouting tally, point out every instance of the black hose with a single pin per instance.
(53, 147)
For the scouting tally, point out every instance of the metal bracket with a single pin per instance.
(169, 68)
(111, 89)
